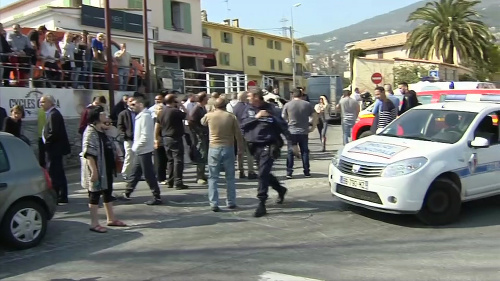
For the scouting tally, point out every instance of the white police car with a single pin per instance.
(426, 162)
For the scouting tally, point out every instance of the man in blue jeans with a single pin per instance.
(350, 111)
(297, 113)
(224, 129)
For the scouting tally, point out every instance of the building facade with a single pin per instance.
(260, 55)
(174, 27)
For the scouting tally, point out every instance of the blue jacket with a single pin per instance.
(265, 130)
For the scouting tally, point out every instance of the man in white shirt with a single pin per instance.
(154, 108)
(143, 147)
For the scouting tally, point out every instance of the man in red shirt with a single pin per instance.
(99, 100)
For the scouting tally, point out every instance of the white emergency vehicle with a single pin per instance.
(426, 162)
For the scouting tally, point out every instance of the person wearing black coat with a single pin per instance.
(57, 145)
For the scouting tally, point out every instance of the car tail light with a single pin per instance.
(47, 178)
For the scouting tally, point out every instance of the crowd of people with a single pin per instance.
(75, 61)
(213, 132)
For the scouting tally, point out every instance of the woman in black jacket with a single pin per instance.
(12, 124)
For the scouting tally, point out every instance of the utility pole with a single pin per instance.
(109, 73)
(146, 45)
(293, 57)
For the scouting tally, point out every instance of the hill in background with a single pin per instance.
(393, 22)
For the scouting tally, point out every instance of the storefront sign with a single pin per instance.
(69, 102)
(93, 16)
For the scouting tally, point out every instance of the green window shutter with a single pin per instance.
(67, 3)
(167, 14)
(186, 9)
(86, 2)
(134, 4)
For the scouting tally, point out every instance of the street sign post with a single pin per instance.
(377, 78)
(434, 74)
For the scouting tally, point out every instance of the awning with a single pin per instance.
(185, 54)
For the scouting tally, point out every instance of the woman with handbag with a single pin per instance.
(323, 110)
(98, 169)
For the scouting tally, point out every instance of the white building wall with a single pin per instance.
(27, 8)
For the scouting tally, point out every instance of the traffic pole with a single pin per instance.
(146, 44)
(109, 56)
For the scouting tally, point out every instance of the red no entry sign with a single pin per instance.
(377, 78)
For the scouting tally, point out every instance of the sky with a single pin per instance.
(310, 18)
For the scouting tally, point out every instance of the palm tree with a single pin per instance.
(448, 26)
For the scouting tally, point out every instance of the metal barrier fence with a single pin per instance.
(23, 71)
(196, 81)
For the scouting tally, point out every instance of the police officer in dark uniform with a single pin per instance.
(262, 130)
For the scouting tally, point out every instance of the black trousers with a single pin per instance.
(265, 162)
(174, 150)
(161, 163)
(41, 153)
(55, 168)
(144, 164)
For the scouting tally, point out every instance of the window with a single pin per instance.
(297, 50)
(252, 61)
(488, 128)
(226, 37)
(280, 65)
(204, 32)
(4, 162)
(176, 16)
(277, 45)
(76, 3)
(298, 69)
(432, 125)
(270, 44)
(251, 41)
(224, 58)
(272, 64)
(135, 4)
(380, 54)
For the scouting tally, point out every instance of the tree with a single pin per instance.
(484, 69)
(410, 73)
(448, 26)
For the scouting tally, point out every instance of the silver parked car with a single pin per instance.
(27, 200)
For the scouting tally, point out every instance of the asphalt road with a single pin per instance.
(311, 236)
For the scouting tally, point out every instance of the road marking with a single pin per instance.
(275, 276)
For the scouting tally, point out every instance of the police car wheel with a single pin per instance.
(442, 203)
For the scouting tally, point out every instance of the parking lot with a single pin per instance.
(312, 236)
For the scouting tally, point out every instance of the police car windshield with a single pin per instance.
(431, 125)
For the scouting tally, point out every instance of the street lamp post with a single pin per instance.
(294, 67)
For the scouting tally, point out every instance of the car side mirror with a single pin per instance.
(480, 142)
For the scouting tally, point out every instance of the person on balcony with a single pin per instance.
(50, 55)
(124, 60)
(79, 62)
(4, 57)
(21, 46)
(68, 49)
(98, 62)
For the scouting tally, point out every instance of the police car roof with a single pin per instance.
(468, 106)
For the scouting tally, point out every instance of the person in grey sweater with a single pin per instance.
(143, 147)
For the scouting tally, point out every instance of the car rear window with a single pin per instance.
(425, 99)
(4, 162)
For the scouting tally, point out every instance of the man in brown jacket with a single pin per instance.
(224, 129)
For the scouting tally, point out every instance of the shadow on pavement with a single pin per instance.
(480, 213)
(64, 242)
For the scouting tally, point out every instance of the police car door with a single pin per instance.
(482, 172)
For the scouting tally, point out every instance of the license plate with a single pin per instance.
(354, 183)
